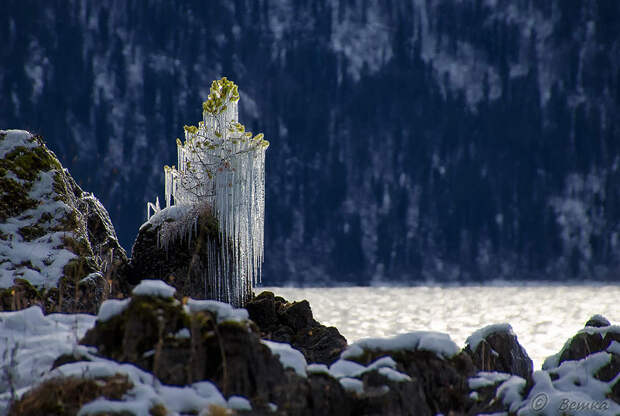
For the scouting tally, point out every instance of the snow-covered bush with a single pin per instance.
(222, 165)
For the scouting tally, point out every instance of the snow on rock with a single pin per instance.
(555, 391)
(154, 288)
(289, 357)
(394, 375)
(222, 311)
(553, 361)
(614, 347)
(386, 366)
(111, 308)
(14, 138)
(30, 342)
(436, 342)
(52, 231)
(147, 392)
(239, 403)
(352, 385)
(510, 392)
(474, 339)
(317, 369)
(485, 378)
(345, 368)
(172, 213)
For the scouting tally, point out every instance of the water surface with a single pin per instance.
(542, 316)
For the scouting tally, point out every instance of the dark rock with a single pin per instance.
(228, 353)
(294, 323)
(443, 381)
(589, 340)
(72, 249)
(179, 245)
(597, 321)
(499, 350)
(386, 397)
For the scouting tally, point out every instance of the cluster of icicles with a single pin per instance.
(223, 172)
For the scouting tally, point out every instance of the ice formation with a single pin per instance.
(222, 165)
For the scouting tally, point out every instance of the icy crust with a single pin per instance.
(157, 288)
(439, 343)
(476, 338)
(172, 213)
(555, 390)
(289, 357)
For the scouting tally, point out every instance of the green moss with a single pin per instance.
(79, 246)
(14, 198)
(28, 163)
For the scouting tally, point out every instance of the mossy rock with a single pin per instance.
(48, 220)
(66, 395)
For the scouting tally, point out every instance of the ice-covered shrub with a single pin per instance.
(221, 164)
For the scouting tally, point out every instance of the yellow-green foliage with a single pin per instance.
(222, 91)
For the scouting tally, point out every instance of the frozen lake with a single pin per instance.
(542, 316)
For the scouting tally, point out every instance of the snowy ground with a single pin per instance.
(542, 316)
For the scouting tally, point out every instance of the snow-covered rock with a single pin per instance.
(495, 348)
(53, 236)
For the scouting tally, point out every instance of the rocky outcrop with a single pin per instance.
(57, 244)
(180, 246)
(208, 340)
(496, 348)
(597, 338)
(206, 357)
(598, 335)
(293, 323)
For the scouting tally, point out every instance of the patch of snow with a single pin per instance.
(149, 287)
(485, 379)
(183, 333)
(574, 384)
(510, 392)
(112, 307)
(222, 311)
(352, 385)
(239, 403)
(476, 338)
(436, 342)
(394, 375)
(345, 368)
(553, 361)
(382, 362)
(15, 138)
(172, 213)
(30, 343)
(614, 347)
(289, 357)
(317, 369)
